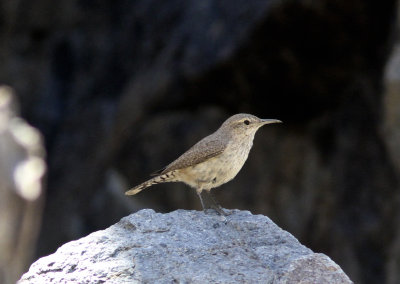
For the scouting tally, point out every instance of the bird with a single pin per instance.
(213, 161)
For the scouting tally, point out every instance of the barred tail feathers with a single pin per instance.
(168, 177)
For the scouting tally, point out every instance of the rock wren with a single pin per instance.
(214, 160)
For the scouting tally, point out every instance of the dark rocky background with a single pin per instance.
(121, 88)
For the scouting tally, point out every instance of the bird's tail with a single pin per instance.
(155, 180)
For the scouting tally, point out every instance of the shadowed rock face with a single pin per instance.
(187, 247)
(121, 88)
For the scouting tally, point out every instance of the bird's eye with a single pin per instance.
(246, 122)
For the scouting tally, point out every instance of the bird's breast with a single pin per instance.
(218, 170)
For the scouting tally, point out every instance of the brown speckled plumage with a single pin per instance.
(214, 160)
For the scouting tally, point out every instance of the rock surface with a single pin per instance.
(22, 169)
(391, 132)
(187, 247)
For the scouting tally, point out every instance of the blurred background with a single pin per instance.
(118, 89)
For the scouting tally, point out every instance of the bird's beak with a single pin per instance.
(269, 121)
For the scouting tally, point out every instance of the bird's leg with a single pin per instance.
(214, 204)
(211, 203)
(198, 191)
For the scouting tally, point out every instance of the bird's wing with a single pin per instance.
(205, 149)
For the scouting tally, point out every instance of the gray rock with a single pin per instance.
(391, 132)
(22, 170)
(187, 247)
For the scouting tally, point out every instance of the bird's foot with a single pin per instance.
(219, 210)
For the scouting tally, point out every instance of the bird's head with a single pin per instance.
(245, 124)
